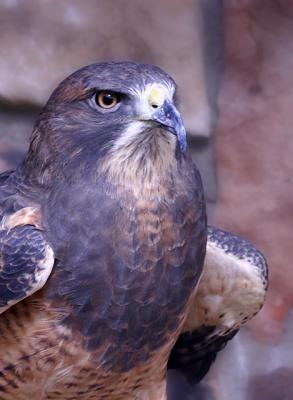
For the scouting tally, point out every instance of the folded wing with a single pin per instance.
(26, 259)
(231, 291)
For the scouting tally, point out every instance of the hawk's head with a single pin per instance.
(116, 110)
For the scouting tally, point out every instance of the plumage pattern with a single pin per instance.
(231, 292)
(26, 259)
(194, 352)
(26, 262)
(103, 240)
(140, 269)
(122, 207)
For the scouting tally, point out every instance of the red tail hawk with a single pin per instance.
(102, 245)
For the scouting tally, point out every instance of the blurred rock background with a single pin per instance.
(232, 60)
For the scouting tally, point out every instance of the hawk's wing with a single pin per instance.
(26, 259)
(231, 291)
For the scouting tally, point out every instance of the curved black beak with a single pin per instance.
(170, 119)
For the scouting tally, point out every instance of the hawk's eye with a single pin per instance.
(107, 99)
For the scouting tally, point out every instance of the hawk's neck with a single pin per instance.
(148, 160)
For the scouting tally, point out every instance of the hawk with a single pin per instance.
(108, 272)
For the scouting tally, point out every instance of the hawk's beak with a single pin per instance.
(169, 118)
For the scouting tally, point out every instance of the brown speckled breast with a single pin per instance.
(105, 323)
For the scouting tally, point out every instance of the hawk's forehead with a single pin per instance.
(125, 77)
(155, 91)
(131, 77)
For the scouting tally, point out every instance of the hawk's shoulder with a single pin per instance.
(26, 259)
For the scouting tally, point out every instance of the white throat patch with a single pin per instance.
(129, 136)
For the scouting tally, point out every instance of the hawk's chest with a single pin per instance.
(129, 269)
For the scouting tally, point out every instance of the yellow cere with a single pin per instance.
(157, 95)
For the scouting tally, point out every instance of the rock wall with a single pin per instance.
(43, 41)
(253, 147)
(254, 141)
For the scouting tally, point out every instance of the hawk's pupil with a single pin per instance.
(108, 99)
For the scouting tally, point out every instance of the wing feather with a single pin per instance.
(26, 259)
(231, 291)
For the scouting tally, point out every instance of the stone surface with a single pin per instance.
(254, 149)
(15, 129)
(278, 385)
(252, 370)
(42, 42)
(254, 142)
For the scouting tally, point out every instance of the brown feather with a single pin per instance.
(128, 230)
